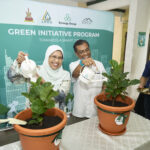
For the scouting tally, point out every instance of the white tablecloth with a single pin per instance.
(12, 146)
(85, 135)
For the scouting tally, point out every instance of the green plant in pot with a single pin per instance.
(3, 109)
(36, 134)
(113, 104)
(3, 114)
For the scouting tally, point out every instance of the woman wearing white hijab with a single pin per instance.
(51, 70)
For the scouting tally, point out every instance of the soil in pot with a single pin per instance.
(48, 121)
(116, 103)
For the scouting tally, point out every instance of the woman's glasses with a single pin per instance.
(55, 57)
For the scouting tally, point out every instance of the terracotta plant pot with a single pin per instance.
(113, 120)
(39, 139)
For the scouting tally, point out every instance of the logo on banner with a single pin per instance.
(67, 18)
(87, 21)
(28, 17)
(67, 21)
(46, 18)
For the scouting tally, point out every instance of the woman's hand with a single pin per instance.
(21, 57)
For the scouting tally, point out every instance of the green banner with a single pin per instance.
(25, 34)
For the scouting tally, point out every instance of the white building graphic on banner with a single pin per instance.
(13, 91)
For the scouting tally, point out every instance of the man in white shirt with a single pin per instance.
(84, 93)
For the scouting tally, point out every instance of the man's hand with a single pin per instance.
(143, 81)
(88, 62)
(140, 86)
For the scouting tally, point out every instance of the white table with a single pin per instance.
(85, 135)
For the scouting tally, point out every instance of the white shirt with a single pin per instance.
(84, 93)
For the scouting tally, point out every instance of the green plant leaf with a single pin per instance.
(105, 74)
(134, 82)
(52, 94)
(25, 94)
(50, 104)
(114, 63)
(33, 122)
(68, 97)
(35, 115)
(3, 109)
(41, 96)
(38, 107)
(117, 81)
(44, 92)
(40, 119)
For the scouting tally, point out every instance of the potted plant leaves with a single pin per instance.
(45, 123)
(113, 104)
(3, 114)
(68, 101)
(3, 109)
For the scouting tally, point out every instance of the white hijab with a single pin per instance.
(48, 74)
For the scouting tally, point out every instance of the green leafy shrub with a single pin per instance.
(41, 96)
(3, 109)
(117, 82)
(68, 97)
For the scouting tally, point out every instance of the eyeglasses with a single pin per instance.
(83, 51)
(55, 57)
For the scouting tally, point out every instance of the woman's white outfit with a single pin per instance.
(84, 93)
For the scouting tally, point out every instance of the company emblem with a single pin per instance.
(46, 18)
(67, 18)
(87, 21)
(28, 17)
(67, 21)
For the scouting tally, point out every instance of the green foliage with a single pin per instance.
(68, 97)
(41, 96)
(117, 81)
(3, 109)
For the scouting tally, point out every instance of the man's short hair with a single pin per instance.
(79, 42)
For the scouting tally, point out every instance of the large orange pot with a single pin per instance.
(113, 120)
(39, 139)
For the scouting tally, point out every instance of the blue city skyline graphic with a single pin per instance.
(11, 93)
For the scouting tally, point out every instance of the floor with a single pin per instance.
(11, 135)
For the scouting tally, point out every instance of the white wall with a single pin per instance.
(139, 21)
(148, 16)
(138, 54)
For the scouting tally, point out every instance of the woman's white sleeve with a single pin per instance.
(14, 74)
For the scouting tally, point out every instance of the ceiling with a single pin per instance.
(84, 1)
(89, 2)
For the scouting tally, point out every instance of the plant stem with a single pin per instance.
(113, 102)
